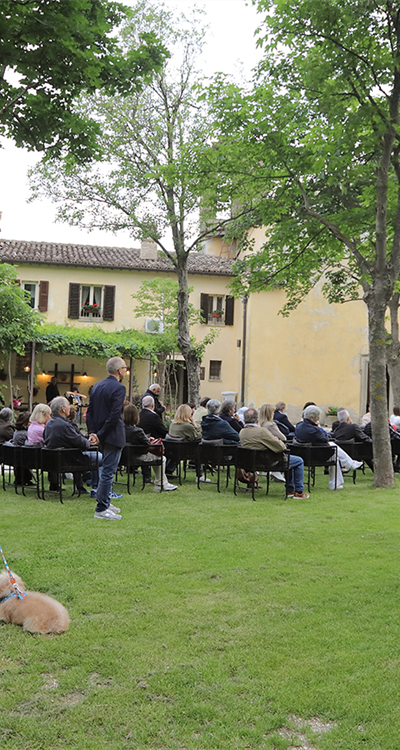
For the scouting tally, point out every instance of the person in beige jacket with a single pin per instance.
(258, 438)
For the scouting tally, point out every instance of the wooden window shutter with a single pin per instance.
(204, 307)
(109, 303)
(74, 300)
(18, 281)
(229, 307)
(43, 296)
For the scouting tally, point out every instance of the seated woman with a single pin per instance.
(280, 416)
(228, 412)
(137, 437)
(38, 420)
(183, 425)
(6, 426)
(266, 419)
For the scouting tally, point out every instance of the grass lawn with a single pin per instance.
(207, 621)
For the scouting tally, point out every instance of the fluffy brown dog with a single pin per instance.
(36, 612)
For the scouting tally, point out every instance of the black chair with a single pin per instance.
(30, 459)
(10, 459)
(60, 461)
(313, 456)
(358, 451)
(253, 460)
(181, 451)
(131, 459)
(214, 454)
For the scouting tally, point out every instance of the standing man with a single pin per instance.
(154, 391)
(106, 427)
(52, 390)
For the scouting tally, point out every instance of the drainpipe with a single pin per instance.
(130, 389)
(245, 300)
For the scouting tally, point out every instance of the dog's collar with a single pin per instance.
(10, 596)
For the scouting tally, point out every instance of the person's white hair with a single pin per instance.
(57, 404)
(147, 402)
(114, 364)
(6, 415)
(312, 412)
(213, 406)
(155, 386)
(343, 415)
(40, 412)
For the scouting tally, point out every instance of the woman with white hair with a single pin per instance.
(215, 428)
(6, 426)
(309, 431)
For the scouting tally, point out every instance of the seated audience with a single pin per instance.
(344, 429)
(39, 418)
(309, 431)
(6, 426)
(266, 418)
(183, 425)
(135, 436)
(259, 438)
(228, 412)
(201, 411)
(154, 391)
(280, 416)
(394, 418)
(215, 428)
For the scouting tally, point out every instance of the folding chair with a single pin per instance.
(215, 454)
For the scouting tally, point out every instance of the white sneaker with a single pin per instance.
(339, 487)
(69, 476)
(114, 508)
(108, 514)
(204, 479)
(357, 465)
(167, 487)
(278, 476)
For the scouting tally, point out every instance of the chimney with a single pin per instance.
(148, 250)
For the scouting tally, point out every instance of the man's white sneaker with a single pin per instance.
(204, 479)
(108, 515)
(114, 508)
(167, 487)
(357, 465)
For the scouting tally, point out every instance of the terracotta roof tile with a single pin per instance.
(56, 254)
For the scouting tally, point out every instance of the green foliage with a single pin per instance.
(55, 51)
(92, 341)
(17, 319)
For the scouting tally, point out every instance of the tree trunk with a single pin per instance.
(10, 385)
(162, 365)
(383, 466)
(393, 349)
(189, 354)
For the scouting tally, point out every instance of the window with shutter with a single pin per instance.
(43, 296)
(215, 369)
(109, 303)
(204, 307)
(229, 309)
(74, 300)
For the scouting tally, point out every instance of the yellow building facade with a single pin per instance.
(319, 353)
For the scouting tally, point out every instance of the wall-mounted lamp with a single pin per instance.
(128, 372)
(155, 373)
(84, 375)
(27, 369)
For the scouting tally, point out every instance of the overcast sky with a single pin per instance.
(231, 44)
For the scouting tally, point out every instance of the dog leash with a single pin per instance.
(17, 591)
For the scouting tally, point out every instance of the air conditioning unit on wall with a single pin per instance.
(153, 325)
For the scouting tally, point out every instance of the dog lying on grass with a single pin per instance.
(36, 612)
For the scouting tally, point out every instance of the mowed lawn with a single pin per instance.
(207, 621)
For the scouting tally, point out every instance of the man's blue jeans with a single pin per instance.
(297, 474)
(111, 456)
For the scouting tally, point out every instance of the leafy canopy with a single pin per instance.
(17, 319)
(52, 51)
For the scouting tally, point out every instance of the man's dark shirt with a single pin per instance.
(237, 425)
(348, 431)
(60, 433)
(51, 392)
(158, 408)
(308, 432)
(152, 424)
(104, 413)
(280, 417)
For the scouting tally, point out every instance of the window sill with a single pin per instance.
(215, 380)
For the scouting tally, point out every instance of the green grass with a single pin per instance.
(207, 621)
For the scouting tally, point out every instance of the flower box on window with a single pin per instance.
(91, 308)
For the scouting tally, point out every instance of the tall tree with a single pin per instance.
(148, 182)
(50, 52)
(317, 145)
